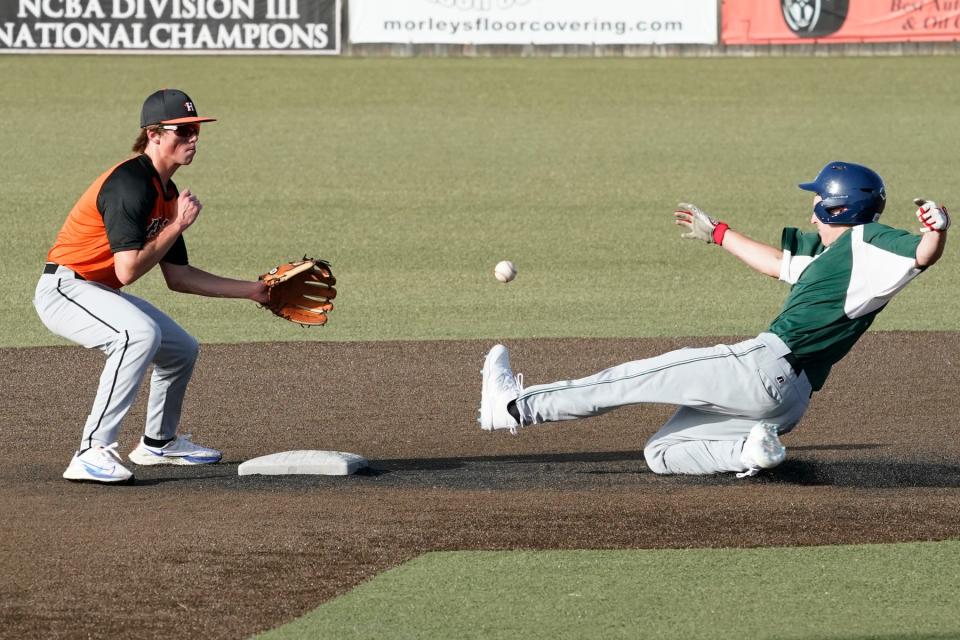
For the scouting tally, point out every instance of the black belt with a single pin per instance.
(51, 268)
(794, 363)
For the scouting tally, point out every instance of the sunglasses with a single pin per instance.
(184, 130)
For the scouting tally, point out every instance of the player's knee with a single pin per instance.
(654, 453)
(190, 349)
(143, 341)
(179, 353)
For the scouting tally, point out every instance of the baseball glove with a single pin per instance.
(301, 291)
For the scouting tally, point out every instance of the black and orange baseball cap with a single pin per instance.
(169, 106)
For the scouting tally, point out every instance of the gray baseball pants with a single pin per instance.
(133, 334)
(722, 392)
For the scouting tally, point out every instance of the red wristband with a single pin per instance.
(719, 231)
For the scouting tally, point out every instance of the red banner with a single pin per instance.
(837, 21)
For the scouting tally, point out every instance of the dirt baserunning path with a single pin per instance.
(191, 551)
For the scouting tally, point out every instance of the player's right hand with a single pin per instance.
(188, 208)
(699, 225)
(932, 216)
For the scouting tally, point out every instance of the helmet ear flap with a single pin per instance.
(882, 199)
(857, 189)
(824, 214)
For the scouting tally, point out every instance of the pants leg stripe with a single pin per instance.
(116, 374)
(113, 385)
(91, 314)
(526, 396)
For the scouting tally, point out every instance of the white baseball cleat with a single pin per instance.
(500, 387)
(762, 449)
(180, 450)
(98, 464)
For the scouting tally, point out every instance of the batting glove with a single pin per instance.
(932, 216)
(700, 226)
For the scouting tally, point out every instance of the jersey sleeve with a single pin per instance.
(177, 253)
(896, 241)
(125, 205)
(799, 250)
(884, 262)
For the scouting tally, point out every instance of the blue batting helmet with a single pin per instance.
(852, 194)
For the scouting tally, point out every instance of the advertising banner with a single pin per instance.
(534, 21)
(170, 26)
(838, 21)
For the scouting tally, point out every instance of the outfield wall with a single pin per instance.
(927, 27)
(483, 28)
(652, 51)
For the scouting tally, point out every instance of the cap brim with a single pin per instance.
(809, 186)
(189, 120)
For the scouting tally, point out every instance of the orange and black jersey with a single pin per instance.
(124, 209)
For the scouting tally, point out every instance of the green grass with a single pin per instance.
(816, 593)
(415, 176)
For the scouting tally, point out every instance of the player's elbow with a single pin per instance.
(125, 266)
(125, 274)
(928, 257)
(178, 278)
(178, 285)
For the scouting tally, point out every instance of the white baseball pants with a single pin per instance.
(133, 334)
(722, 392)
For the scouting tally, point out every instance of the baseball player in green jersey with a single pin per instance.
(734, 401)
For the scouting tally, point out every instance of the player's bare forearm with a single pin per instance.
(702, 226)
(189, 279)
(757, 255)
(130, 265)
(931, 248)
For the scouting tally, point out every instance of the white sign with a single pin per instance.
(170, 26)
(534, 21)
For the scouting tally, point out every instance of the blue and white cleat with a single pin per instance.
(98, 464)
(180, 450)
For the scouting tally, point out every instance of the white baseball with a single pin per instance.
(505, 271)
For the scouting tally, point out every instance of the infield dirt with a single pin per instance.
(191, 551)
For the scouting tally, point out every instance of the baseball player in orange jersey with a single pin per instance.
(131, 219)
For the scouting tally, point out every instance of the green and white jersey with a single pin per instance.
(838, 290)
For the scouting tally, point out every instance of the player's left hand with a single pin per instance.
(932, 216)
(699, 225)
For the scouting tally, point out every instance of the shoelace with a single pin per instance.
(112, 450)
